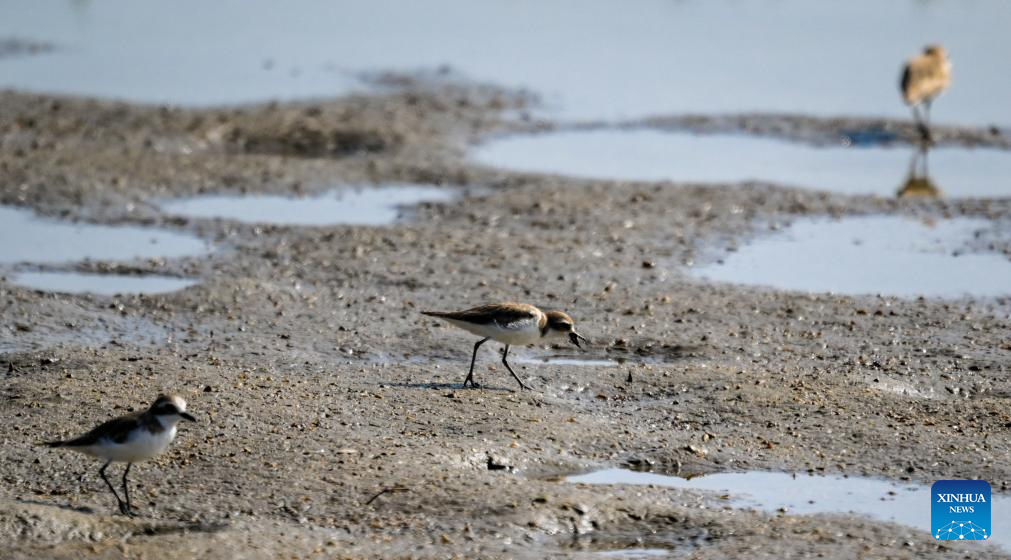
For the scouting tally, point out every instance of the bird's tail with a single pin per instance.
(435, 313)
(57, 443)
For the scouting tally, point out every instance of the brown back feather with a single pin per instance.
(495, 312)
(924, 77)
(117, 430)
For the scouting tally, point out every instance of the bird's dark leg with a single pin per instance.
(927, 136)
(101, 472)
(470, 374)
(920, 124)
(504, 362)
(126, 490)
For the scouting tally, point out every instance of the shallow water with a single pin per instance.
(588, 58)
(888, 255)
(576, 362)
(651, 155)
(903, 503)
(99, 284)
(354, 206)
(632, 553)
(29, 238)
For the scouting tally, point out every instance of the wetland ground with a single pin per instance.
(318, 385)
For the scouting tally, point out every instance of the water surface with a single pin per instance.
(99, 284)
(30, 238)
(634, 553)
(888, 255)
(587, 58)
(884, 500)
(353, 206)
(652, 155)
(564, 361)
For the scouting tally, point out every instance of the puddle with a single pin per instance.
(903, 503)
(98, 284)
(588, 58)
(886, 255)
(634, 553)
(565, 361)
(358, 206)
(42, 240)
(652, 155)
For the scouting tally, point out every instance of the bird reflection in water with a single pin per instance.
(918, 183)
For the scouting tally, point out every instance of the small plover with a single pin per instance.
(130, 439)
(924, 77)
(511, 324)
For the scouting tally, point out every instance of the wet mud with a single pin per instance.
(331, 417)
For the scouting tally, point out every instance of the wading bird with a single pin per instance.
(924, 78)
(511, 324)
(130, 439)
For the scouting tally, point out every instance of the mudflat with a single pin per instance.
(331, 417)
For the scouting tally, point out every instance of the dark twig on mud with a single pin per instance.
(388, 490)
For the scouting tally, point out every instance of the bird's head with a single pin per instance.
(170, 409)
(935, 50)
(560, 324)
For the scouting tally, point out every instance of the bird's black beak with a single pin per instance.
(187, 416)
(576, 337)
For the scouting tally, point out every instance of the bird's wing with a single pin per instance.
(517, 323)
(502, 314)
(117, 430)
(907, 75)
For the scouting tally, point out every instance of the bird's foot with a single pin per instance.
(125, 509)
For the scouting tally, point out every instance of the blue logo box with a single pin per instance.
(960, 510)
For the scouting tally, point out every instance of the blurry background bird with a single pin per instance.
(924, 78)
